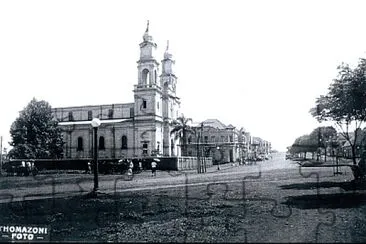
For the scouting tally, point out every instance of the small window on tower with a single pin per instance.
(158, 105)
(144, 104)
(110, 114)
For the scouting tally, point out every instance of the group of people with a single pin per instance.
(153, 167)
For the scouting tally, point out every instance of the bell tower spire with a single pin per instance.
(147, 26)
(171, 103)
(168, 78)
(148, 111)
(148, 66)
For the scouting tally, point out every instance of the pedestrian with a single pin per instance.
(28, 168)
(153, 167)
(140, 165)
(88, 168)
(130, 168)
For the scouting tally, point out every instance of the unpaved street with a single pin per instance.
(272, 201)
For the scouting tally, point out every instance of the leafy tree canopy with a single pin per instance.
(323, 135)
(35, 134)
(345, 103)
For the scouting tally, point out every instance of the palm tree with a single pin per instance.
(181, 130)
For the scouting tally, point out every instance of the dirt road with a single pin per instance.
(273, 201)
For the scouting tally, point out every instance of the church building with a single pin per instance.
(137, 129)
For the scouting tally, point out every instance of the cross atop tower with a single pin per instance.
(147, 26)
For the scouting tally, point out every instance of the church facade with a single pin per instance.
(142, 128)
(137, 129)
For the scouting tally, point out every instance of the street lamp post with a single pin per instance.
(95, 124)
(325, 150)
(218, 162)
(203, 159)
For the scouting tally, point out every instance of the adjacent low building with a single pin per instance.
(224, 143)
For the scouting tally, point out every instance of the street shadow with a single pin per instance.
(348, 185)
(332, 201)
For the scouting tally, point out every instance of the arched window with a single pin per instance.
(101, 143)
(80, 144)
(172, 147)
(124, 142)
(145, 77)
(155, 76)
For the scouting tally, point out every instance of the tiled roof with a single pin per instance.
(215, 123)
(230, 126)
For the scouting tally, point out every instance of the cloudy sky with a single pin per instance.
(254, 64)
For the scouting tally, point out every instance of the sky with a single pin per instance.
(257, 64)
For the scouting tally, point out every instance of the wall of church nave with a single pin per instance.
(114, 141)
(78, 143)
(124, 141)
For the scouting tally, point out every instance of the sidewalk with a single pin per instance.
(212, 169)
(166, 173)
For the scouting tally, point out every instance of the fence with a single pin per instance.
(186, 163)
(165, 163)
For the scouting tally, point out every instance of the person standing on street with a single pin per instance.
(130, 168)
(153, 168)
(140, 165)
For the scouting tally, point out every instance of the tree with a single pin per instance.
(181, 130)
(35, 134)
(324, 137)
(318, 138)
(303, 144)
(345, 103)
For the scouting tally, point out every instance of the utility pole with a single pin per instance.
(198, 150)
(203, 157)
(1, 155)
(318, 151)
